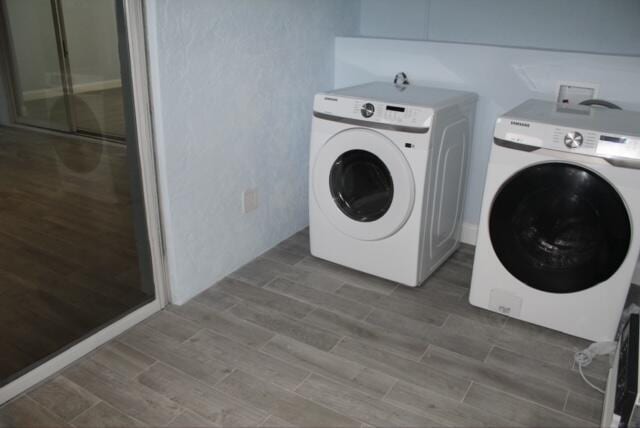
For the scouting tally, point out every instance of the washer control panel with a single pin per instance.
(594, 143)
(573, 140)
(613, 135)
(618, 146)
(579, 141)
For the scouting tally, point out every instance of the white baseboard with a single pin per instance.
(470, 236)
(469, 233)
(39, 94)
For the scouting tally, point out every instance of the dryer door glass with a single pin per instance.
(559, 228)
(361, 185)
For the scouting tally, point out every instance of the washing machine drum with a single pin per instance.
(363, 184)
(559, 228)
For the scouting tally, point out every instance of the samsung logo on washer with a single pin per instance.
(524, 124)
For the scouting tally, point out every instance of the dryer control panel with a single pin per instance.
(385, 113)
(405, 116)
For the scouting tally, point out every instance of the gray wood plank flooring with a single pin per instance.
(290, 340)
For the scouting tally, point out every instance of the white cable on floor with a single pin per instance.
(584, 358)
(587, 381)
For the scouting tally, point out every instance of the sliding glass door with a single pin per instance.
(65, 65)
(75, 252)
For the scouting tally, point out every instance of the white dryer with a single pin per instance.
(558, 236)
(388, 168)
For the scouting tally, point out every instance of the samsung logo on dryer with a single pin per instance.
(523, 124)
(330, 99)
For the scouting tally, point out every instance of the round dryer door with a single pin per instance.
(363, 184)
(559, 228)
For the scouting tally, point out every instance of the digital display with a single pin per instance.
(616, 140)
(398, 109)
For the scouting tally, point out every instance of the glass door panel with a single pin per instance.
(37, 68)
(74, 248)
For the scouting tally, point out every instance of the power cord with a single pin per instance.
(601, 391)
(582, 359)
(585, 357)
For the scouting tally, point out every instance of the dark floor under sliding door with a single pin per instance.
(68, 257)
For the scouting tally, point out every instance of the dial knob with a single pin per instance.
(573, 140)
(368, 110)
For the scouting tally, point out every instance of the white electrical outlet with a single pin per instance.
(576, 92)
(249, 200)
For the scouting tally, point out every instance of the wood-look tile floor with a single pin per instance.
(291, 340)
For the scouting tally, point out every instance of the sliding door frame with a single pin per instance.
(135, 25)
(6, 62)
(65, 65)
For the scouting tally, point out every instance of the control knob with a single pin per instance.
(368, 110)
(573, 140)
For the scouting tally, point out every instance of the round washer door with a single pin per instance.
(363, 184)
(559, 228)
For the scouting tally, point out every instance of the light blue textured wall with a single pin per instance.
(399, 19)
(600, 26)
(233, 84)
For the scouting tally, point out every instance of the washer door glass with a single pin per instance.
(361, 185)
(559, 228)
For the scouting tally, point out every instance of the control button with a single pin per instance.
(368, 110)
(573, 140)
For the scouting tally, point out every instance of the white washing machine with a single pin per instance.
(388, 168)
(558, 239)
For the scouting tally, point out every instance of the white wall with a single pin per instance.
(602, 26)
(233, 83)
